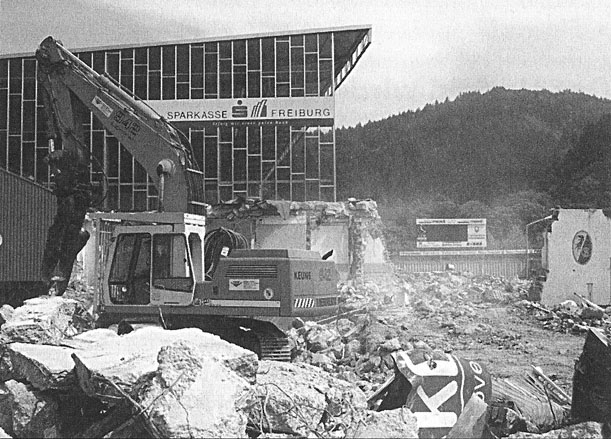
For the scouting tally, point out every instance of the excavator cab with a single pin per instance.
(151, 269)
(154, 264)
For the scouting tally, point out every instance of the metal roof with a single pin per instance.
(365, 27)
(350, 44)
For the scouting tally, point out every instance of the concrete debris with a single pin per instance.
(43, 366)
(585, 430)
(241, 207)
(191, 395)
(6, 312)
(569, 316)
(472, 422)
(153, 382)
(45, 320)
(397, 423)
(34, 414)
(299, 399)
(6, 408)
(125, 359)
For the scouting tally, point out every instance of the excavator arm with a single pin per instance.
(163, 151)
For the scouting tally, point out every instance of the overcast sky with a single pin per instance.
(422, 50)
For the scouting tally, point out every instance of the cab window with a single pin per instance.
(124, 254)
(171, 263)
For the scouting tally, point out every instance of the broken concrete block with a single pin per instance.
(124, 359)
(191, 395)
(292, 398)
(352, 348)
(344, 326)
(591, 313)
(472, 422)
(4, 434)
(397, 423)
(42, 320)
(43, 366)
(321, 360)
(6, 312)
(6, 408)
(391, 345)
(34, 414)
(585, 430)
(319, 338)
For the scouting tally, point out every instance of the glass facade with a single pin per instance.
(286, 159)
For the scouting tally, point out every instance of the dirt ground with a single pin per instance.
(478, 318)
(517, 342)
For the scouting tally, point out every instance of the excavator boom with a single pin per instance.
(163, 151)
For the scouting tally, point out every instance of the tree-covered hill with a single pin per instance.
(481, 146)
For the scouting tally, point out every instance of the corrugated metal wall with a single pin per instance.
(26, 212)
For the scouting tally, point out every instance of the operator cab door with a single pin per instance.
(173, 280)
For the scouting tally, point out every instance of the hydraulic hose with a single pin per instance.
(215, 240)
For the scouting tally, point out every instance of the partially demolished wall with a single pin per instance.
(352, 229)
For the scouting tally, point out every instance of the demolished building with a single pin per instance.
(577, 257)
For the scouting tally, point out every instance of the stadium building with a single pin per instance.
(259, 111)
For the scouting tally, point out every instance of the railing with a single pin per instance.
(506, 263)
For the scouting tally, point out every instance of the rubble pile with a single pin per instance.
(570, 316)
(373, 322)
(60, 378)
(154, 382)
(451, 294)
(379, 320)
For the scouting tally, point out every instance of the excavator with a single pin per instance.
(164, 266)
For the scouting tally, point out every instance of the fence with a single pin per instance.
(506, 263)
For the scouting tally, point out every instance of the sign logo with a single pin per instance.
(259, 110)
(243, 284)
(239, 110)
(582, 247)
(268, 293)
(102, 106)
(302, 275)
(124, 122)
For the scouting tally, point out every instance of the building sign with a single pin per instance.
(248, 111)
(451, 233)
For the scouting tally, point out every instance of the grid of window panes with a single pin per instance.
(20, 120)
(273, 162)
(293, 162)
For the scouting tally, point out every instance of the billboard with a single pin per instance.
(248, 111)
(451, 233)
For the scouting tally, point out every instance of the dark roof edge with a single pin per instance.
(202, 40)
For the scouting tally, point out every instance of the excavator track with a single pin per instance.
(274, 348)
(262, 337)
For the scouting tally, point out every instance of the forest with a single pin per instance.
(505, 155)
